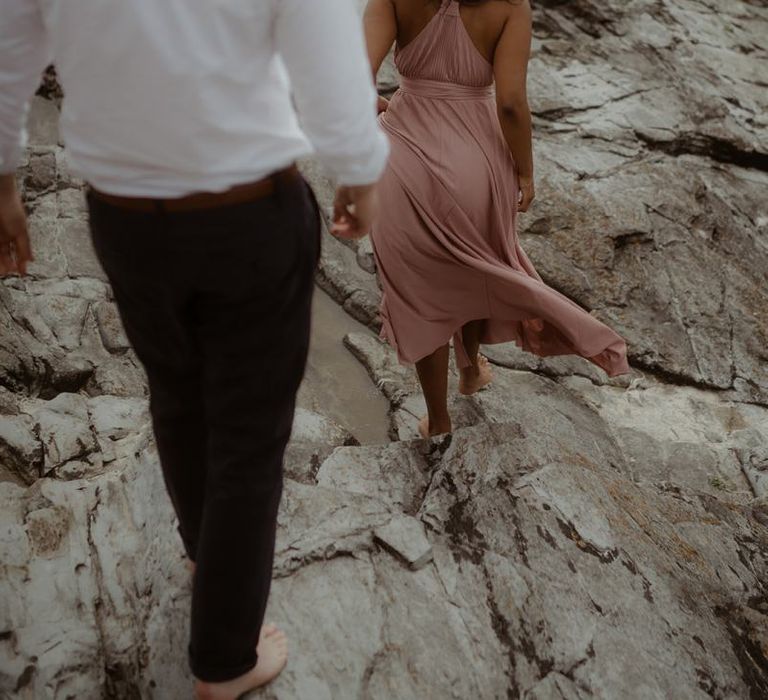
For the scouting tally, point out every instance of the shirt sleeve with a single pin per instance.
(24, 53)
(321, 43)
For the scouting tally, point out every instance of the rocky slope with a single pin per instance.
(575, 537)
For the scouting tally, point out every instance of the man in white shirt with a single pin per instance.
(185, 119)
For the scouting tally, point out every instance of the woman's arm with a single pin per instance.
(380, 31)
(510, 67)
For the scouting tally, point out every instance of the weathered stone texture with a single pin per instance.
(577, 537)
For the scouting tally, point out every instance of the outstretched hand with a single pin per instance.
(15, 250)
(354, 210)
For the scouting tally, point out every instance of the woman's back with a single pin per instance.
(445, 41)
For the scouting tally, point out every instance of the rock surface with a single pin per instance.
(576, 537)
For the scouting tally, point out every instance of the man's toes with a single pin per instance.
(278, 639)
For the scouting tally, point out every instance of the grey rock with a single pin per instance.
(63, 335)
(394, 380)
(625, 544)
(314, 437)
(40, 172)
(405, 536)
(63, 427)
(21, 452)
(110, 327)
(659, 170)
(754, 463)
(365, 255)
(43, 122)
(120, 424)
(57, 547)
(71, 436)
(387, 472)
(555, 686)
(317, 524)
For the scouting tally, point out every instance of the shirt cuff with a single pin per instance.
(10, 157)
(366, 170)
(12, 149)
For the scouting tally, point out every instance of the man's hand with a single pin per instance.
(527, 192)
(354, 210)
(15, 251)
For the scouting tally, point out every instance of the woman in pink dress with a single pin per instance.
(460, 171)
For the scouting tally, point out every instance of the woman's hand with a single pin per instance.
(382, 105)
(527, 192)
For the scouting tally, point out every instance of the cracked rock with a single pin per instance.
(406, 538)
(313, 438)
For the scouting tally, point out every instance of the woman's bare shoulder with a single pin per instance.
(486, 21)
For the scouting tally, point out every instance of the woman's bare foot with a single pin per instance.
(427, 431)
(272, 654)
(475, 378)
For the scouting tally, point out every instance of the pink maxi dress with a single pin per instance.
(446, 244)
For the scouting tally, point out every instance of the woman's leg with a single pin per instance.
(470, 334)
(478, 374)
(433, 377)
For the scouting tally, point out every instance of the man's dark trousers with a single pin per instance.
(216, 304)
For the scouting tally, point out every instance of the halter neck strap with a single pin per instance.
(450, 7)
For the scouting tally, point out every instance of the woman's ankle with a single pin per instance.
(472, 371)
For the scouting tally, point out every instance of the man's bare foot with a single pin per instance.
(475, 378)
(427, 431)
(272, 654)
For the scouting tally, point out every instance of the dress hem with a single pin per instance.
(601, 360)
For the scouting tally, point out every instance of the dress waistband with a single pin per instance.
(439, 90)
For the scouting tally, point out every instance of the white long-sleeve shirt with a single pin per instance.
(167, 97)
